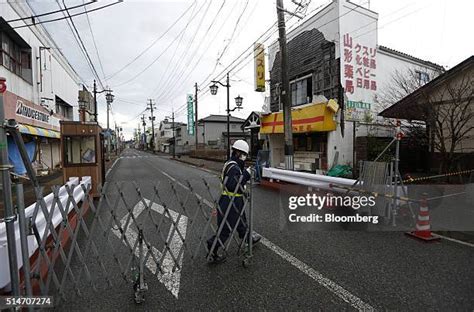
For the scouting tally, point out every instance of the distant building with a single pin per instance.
(334, 55)
(42, 87)
(212, 131)
(163, 135)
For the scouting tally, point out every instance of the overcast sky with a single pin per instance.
(434, 30)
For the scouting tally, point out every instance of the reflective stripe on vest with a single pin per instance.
(226, 193)
(227, 166)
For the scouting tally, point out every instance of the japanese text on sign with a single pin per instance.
(190, 102)
(359, 66)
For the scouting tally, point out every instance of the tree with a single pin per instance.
(446, 109)
(449, 115)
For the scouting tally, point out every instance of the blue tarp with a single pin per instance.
(15, 158)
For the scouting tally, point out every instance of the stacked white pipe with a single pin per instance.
(40, 222)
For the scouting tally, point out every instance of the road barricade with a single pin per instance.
(139, 232)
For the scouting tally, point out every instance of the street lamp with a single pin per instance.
(109, 98)
(214, 88)
(238, 102)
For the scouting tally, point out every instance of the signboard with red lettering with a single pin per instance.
(358, 50)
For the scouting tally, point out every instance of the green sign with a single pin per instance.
(190, 103)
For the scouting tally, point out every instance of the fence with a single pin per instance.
(138, 233)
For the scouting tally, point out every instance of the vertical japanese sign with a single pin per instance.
(359, 76)
(190, 103)
(259, 65)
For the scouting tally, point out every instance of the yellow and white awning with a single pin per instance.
(26, 129)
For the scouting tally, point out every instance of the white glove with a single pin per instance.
(249, 170)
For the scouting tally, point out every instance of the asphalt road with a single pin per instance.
(291, 270)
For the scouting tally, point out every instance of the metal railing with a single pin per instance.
(138, 232)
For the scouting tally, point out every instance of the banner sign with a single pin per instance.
(31, 113)
(312, 118)
(190, 103)
(259, 65)
(359, 75)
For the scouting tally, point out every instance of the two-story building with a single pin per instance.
(334, 54)
(212, 131)
(42, 87)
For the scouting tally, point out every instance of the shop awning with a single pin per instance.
(309, 118)
(26, 129)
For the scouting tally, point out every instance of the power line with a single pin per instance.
(159, 56)
(72, 15)
(233, 33)
(49, 13)
(171, 91)
(95, 45)
(174, 54)
(154, 41)
(170, 81)
(88, 58)
(268, 37)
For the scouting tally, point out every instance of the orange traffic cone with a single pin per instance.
(423, 228)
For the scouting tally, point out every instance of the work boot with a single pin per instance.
(256, 238)
(215, 257)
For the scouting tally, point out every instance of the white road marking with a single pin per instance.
(110, 169)
(170, 279)
(342, 293)
(337, 290)
(454, 240)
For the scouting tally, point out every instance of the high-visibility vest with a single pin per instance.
(226, 169)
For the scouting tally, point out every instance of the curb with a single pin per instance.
(196, 166)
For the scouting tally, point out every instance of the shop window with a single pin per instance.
(301, 91)
(79, 150)
(314, 142)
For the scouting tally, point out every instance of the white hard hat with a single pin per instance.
(241, 145)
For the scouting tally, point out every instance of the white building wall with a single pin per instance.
(337, 19)
(393, 63)
(58, 79)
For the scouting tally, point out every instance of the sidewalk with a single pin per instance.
(214, 166)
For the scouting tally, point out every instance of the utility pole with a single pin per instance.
(108, 131)
(285, 87)
(95, 101)
(196, 112)
(152, 118)
(144, 130)
(10, 215)
(228, 116)
(174, 139)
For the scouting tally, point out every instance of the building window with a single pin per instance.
(79, 150)
(423, 77)
(15, 58)
(63, 108)
(301, 91)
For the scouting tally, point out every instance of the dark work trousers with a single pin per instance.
(232, 218)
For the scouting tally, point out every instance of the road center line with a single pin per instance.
(330, 285)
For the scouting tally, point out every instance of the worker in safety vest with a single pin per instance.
(234, 177)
